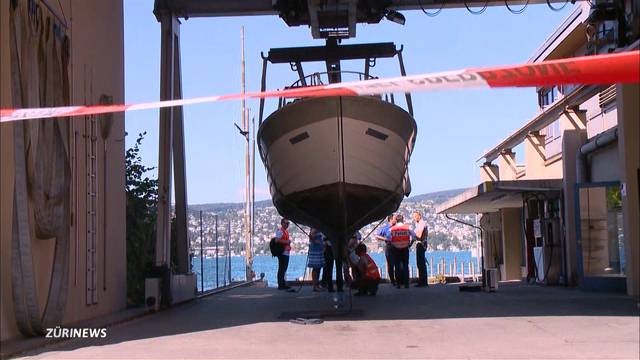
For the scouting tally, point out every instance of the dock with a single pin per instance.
(518, 321)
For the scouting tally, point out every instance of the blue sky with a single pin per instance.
(454, 127)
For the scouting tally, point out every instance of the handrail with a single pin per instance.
(316, 78)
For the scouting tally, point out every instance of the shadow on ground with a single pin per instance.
(251, 305)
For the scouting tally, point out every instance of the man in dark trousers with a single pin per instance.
(333, 254)
(422, 232)
(383, 235)
(282, 237)
(401, 236)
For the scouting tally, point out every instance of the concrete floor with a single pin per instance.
(439, 322)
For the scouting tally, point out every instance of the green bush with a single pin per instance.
(142, 200)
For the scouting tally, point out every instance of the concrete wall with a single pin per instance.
(96, 68)
(571, 142)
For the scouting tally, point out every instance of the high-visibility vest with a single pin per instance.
(400, 236)
(285, 240)
(372, 269)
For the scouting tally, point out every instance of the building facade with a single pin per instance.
(62, 233)
(566, 211)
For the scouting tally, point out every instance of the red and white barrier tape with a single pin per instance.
(588, 70)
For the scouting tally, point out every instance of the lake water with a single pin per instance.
(269, 266)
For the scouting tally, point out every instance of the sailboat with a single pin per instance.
(337, 163)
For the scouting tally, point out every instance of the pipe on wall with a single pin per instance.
(598, 142)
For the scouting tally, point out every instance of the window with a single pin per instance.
(547, 96)
(552, 139)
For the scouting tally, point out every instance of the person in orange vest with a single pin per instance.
(282, 237)
(366, 273)
(401, 237)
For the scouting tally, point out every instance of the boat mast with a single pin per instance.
(247, 198)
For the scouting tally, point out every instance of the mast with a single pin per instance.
(247, 198)
(253, 181)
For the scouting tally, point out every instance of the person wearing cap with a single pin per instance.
(383, 235)
(282, 237)
(401, 236)
(365, 272)
(421, 247)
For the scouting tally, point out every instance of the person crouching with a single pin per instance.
(366, 274)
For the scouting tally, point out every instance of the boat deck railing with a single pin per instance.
(322, 78)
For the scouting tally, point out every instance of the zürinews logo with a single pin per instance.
(75, 333)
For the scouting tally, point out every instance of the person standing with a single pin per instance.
(401, 236)
(383, 235)
(327, 271)
(282, 237)
(421, 232)
(316, 256)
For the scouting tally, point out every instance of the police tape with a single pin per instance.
(621, 67)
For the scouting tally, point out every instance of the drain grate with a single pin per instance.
(321, 314)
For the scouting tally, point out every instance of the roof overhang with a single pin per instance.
(491, 196)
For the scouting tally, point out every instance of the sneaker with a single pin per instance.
(284, 287)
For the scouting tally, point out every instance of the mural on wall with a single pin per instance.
(41, 206)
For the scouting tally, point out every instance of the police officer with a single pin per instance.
(383, 235)
(421, 232)
(400, 236)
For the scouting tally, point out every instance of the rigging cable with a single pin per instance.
(306, 265)
(557, 8)
(519, 11)
(486, 4)
(433, 14)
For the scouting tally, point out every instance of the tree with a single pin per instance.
(142, 200)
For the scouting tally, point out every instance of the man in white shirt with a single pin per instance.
(420, 228)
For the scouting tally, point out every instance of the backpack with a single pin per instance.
(276, 248)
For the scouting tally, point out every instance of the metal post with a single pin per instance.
(229, 250)
(201, 257)
(217, 268)
(431, 266)
(263, 85)
(455, 266)
(404, 73)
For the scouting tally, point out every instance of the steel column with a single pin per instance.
(171, 149)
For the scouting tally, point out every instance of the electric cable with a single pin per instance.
(433, 14)
(486, 4)
(557, 8)
(519, 11)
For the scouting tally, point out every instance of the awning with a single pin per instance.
(491, 196)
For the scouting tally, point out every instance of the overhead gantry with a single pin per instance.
(328, 19)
